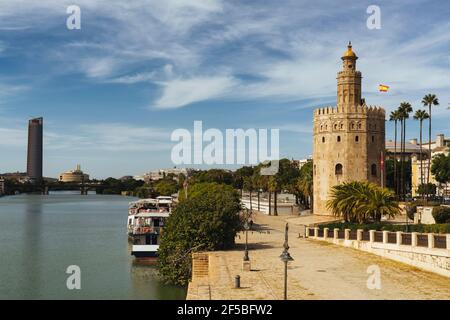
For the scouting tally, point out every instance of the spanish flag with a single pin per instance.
(383, 88)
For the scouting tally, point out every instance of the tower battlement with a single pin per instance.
(361, 109)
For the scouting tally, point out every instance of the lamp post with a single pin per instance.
(285, 257)
(246, 227)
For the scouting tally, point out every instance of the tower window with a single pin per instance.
(338, 138)
(373, 170)
(314, 169)
(359, 125)
(338, 169)
(373, 138)
(323, 139)
(356, 138)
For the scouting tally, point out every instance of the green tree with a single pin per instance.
(166, 187)
(305, 183)
(428, 101)
(421, 115)
(239, 175)
(426, 189)
(440, 168)
(207, 220)
(360, 201)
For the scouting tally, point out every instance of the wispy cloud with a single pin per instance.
(181, 92)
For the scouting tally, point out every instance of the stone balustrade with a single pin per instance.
(428, 251)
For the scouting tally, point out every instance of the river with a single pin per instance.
(40, 236)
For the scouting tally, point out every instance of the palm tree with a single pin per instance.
(257, 182)
(360, 201)
(248, 185)
(429, 100)
(405, 109)
(421, 115)
(272, 187)
(395, 116)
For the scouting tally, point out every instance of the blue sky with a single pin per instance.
(112, 92)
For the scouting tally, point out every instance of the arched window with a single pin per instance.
(338, 169)
(356, 138)
(373, 169)
(353, 125)
(373, 138)
(338, 138)
(323, 139)
(342, 126)
(321, 127)
(359, 125)
(335, 126)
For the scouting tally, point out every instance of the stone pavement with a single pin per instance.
(320, 270)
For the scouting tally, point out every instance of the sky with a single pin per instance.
(112, 92)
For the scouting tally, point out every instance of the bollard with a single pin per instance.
(237, 282)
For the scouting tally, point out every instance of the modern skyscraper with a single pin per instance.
(35, 149)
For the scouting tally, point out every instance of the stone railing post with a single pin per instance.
(431, 240)
(399, 237)
(359, 234)
(325, 233)
(414, 239)
(372, 236)
(306, 232)
(316, 232)
(385, 236)
(346, 234)
(448, 242)
(336, 234)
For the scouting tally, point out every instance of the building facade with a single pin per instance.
(76, 175)
(349, 138)
(35, 149)
(419, 168)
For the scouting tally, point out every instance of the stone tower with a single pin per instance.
(349, 139)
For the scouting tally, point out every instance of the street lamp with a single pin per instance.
(285, 257)
(246, 227)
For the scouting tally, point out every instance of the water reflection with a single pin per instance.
(41, 236)
(31, 252)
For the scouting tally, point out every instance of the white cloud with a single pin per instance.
(181, 92)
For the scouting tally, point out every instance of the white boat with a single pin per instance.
(146, 218)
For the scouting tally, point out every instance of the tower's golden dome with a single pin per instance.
(349, 53)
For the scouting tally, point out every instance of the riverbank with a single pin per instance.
(319, 270)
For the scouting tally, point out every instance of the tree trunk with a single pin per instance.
(270, 206)
(258, 200)
(395, 160)
(429, 146)
(421, 161)
(401, 160)
(275, 207)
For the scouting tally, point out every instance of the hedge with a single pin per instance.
(383, 226)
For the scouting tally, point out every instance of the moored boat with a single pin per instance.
(146, 218)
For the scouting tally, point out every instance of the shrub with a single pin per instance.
(207, 220)
(441, 214)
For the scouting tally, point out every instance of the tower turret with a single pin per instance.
(348, 82)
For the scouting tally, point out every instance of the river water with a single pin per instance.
(41, 236)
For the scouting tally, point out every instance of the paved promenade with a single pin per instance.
(320, 270)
